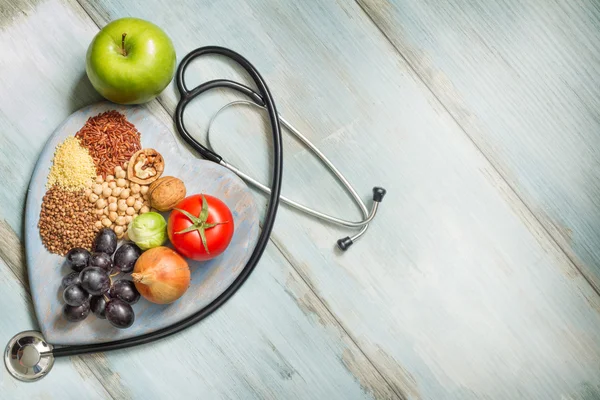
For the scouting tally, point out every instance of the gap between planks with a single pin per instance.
(573, 263)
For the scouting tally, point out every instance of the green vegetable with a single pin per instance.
(148, 230)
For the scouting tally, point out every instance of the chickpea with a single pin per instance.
(105, 211)
(143, 189)
(125, 164)
(112, 184)
(118, 169)
(112, 200)
(98, 189)
(99, 179)
(130, 201)
(137, 205)
(100, 211)
(135, 188)
(87, 192)
(101, 203)
(119, 229)
(112, 207)
(136, 196)
(106, 192)
(122, 174)
(93, 198)
(98, 225)
(121, 182)
(104, 185)
(110, 178)
(127, 183)
(117, 191)
(122, 206)
(124, 194)
(112, 216)
(130, 211)
(106, 222)
(119, 235)
(120, 220)
(144, 209)
(128, 218)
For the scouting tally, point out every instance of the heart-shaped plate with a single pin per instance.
(209, 279)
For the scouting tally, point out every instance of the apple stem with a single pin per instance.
(123, 44)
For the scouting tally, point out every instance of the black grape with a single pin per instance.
(98, 306)
(95, 280)
(77, 258)
(119, 314)
(75, 295)
(71, 279)
(76, 314)
(125, 290)
(106, 241)
(101, 260)
(126, 256)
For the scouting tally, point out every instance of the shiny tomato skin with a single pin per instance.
(189, 244)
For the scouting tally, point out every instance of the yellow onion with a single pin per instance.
(161, 275)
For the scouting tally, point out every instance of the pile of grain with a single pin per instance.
(72, 167)
(66, 221)
(110, 139)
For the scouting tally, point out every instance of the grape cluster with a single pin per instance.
(91, 287)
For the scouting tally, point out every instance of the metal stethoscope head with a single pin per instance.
(368, 215)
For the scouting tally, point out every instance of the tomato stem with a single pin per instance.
(199, 223)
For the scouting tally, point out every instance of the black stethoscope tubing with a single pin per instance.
(265, 99)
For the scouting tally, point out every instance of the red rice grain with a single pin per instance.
(110, 139)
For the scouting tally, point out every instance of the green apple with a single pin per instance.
(130, 61)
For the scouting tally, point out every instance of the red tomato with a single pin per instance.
(189, 219)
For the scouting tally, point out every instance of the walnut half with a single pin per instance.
(145, 166)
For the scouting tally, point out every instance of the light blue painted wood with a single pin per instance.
(521, 78)
(208, 279)
(68, 379)
(457, 291)
(276, 340)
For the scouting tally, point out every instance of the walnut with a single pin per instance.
(166, 193)
(145, 166)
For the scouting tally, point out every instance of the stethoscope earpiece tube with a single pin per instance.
(378, 194)
(186, 96)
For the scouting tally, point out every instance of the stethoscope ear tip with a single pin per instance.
(378, 193)
(344, 243)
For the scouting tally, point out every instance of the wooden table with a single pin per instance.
(478, 279)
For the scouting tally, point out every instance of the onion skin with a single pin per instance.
(161, 275)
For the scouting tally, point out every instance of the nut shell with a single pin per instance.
(166, 192)
(158, 164)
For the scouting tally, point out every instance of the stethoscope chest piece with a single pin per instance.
(28, 357)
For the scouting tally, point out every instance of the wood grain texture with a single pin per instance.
(457, 291)
(263, 345)
(521, 79)
(62, 382)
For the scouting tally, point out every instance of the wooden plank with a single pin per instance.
(68, 378)
(521, 79)
(264, 344)
(457, 291)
